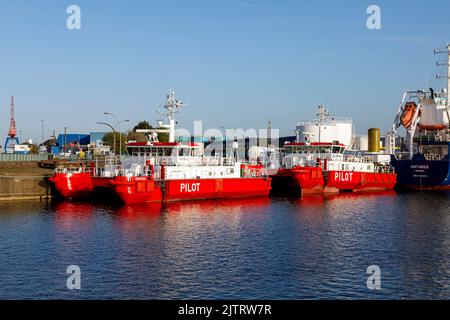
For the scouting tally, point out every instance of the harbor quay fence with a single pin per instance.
(16, 157)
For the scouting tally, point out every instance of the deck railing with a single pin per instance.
(434, 156)
(194, 161)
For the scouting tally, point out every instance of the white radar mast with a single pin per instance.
(172, 106)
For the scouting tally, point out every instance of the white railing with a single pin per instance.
(357, 159)
(402, 156)
(384, 169)
(194, 161)
(330, 120)
(434, 156)
(73, 169)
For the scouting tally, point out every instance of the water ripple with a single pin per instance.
(310, 248)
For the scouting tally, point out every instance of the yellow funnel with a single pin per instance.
(374, 140)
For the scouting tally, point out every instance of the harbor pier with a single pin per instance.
(24, 180)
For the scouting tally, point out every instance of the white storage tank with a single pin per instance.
(326, 128)
(361, 143)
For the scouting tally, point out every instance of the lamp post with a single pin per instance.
(118, 125)
(42, 130)
(120, 134)
(65, 140)
(114, 132)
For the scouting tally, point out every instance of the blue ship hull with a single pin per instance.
(420, 173)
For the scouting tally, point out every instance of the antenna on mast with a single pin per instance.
(322, 115)
(438, 64)
(172, 106)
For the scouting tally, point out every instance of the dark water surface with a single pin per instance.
(263, 248)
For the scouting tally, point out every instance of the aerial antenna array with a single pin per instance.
(442, 63)
(172, 106)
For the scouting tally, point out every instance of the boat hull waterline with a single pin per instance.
(80, 185)
(312, 180)
(136, 190)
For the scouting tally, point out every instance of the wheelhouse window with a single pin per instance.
(338, 149)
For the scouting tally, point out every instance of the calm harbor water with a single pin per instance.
(262, 248)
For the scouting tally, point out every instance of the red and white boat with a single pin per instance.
(83, 181)
(189, 175)
(175, 171)
(328, 166)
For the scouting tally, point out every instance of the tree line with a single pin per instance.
(132, 135)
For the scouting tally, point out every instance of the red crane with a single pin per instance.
(12, 123)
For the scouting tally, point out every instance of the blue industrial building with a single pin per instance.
(66, 139)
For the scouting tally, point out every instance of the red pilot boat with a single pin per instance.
(72, 183)
(325, 168)
(189, 175)
(83, 181)
(174, 171)
(328, 167)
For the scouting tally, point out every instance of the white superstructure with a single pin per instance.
(424, 114)
(332, 157)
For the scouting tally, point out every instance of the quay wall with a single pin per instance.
(22, 180)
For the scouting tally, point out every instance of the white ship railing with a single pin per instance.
(195, 161)
(73, 169)
(330, 120)
(358, 159)
(384, 169)
(434, 156)
(402, 156)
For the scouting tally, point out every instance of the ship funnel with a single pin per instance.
(374, 140)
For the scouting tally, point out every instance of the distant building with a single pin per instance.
(101, 150)
(22, 148)
(71, 142)
(73, 138)
(96, 137)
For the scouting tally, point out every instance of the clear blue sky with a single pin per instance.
(237, 63)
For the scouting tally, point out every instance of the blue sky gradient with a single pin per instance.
(236, 63)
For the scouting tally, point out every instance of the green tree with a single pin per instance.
(142, 125)
(108, 140)
(141, 137)
(34, 149)
(136, 136)
(163, 137)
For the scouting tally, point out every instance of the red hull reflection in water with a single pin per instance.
(210, 206)
(197, 206)
(69, 215)
(320, 199)
(140, 210)
(366, 195)
(78, 209)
